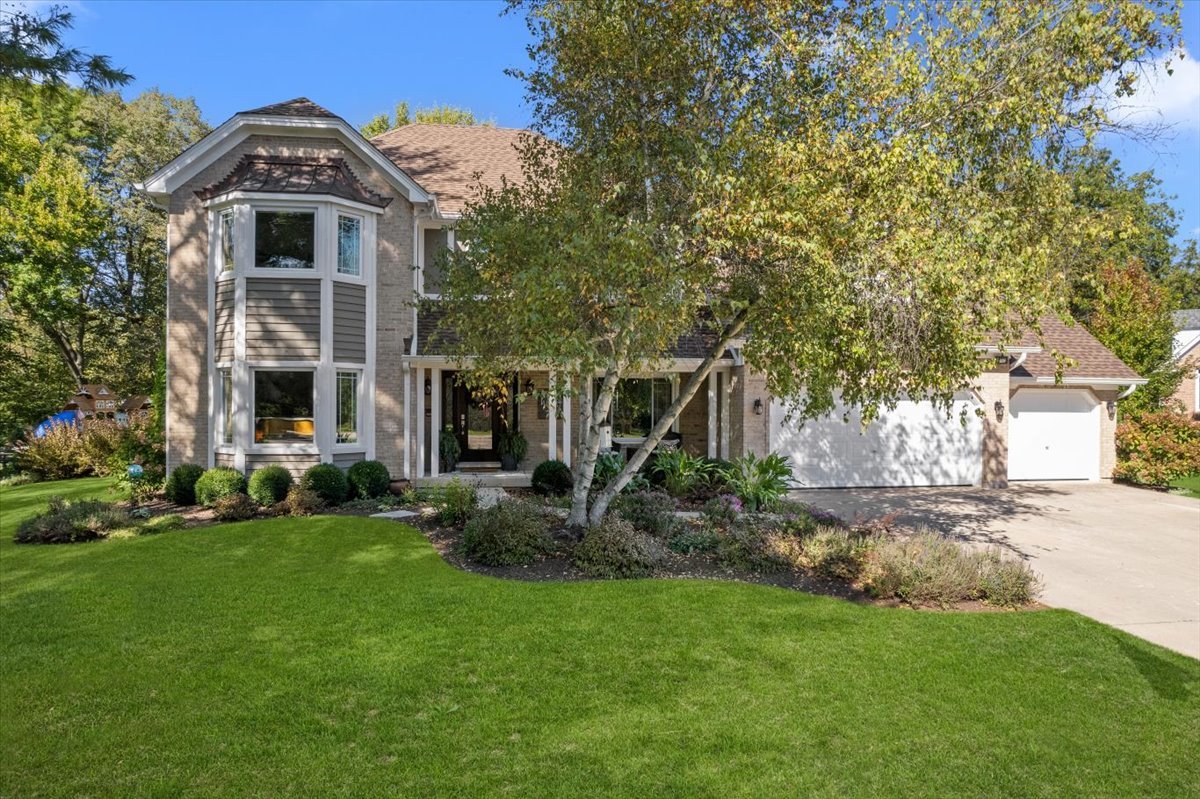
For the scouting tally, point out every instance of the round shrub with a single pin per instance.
(510, 533)
(614, 550)
(181, 485)
(220, 481)
(370, 479)
(328, 481)
(650, 512)
(234, 508)
(552, 478)
(269, 485)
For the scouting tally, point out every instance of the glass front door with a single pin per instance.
(476, 421)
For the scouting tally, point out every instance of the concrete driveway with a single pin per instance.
(1123, 556)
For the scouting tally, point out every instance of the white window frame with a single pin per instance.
(224, 270)
(358, 444)
(338, 213)
(222, 421)
(294, 447)
(320, 212)
(671, 380)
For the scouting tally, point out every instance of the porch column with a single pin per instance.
(435, 423)
(420, 388)
(407, 372)
(552, 413)
(567, 426)
(712, 414)
(725, 390)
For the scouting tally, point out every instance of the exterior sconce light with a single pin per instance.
(758, 407)
(999, 406)
(428, 387)
(1111, 407)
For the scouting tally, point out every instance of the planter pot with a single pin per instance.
(508, 462)
(448, 465)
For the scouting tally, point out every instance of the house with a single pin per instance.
(1187, 357)
(133, 407)
(94, 401)
(296, 249)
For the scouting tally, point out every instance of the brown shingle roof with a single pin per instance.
(295, 175)
(444, 159)
(298, 107)
(1093, 359)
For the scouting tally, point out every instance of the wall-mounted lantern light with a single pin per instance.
(999, 406)
(758, 407)
(428, 387)
(1111, 406)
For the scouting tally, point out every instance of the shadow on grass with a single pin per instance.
(1161, 670)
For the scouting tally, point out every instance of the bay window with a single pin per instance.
(226, 232)
(226, 406)
(349, 243)
(284, 239)
(283, 407)
(347, 407)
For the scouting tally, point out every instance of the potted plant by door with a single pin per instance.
(512, 447)
(448, 450)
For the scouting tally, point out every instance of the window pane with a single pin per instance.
(283, 403)
(349, 245)
(227, 241)
(283, 239)
(632, 416)
(436, 243)
(226, 406)
(347, 407)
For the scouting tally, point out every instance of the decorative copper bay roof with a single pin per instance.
(289, 175)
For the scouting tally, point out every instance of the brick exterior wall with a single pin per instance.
(992, 387)
(1108, 433)
(188, 312)
(748, 432)
(1185, 393)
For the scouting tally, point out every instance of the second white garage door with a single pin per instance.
(913, 445)
(1053, 434)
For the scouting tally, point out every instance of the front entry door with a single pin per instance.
(477, 424)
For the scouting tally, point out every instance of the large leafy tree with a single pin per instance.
(32, 52)
(444, 114)
(865, 191)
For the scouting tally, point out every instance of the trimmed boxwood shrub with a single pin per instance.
(269, 485)
(328, 481)
(614, 549)
(552, 478)
(181, 485)
(510, 533)
(220, 481)
(370, 479)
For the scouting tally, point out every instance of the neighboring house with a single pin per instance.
(94, 401)
(297, 247)
(132, 408)
(1187, 356)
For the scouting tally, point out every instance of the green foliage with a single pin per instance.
(217, 482)
(760, 483)
(650, 512)
(681, 472)
(512, 443)
(432, 115)
(615, 550)
(835, 552)
(302, 502)
(722, 511)
(692, 540)
(234, 508)
(756, 547)
(58, 455)
(1157, 447)
(454, 502)
(181, 484)
(552, 478)
(608, 465)
(269, 485)
(449, 449)
(328, 481)
(34, 56)
(370, 479)
(67, 521)
(510, 533)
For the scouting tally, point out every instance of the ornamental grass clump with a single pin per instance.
(835, 552)
(66, 522)
(510, 533)
(615, 550)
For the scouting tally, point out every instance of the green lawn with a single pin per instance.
(343, 657)
(1190, 486)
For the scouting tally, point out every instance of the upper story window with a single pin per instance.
(437, 241)
(284, 239)
(227, 262)
(349, 244)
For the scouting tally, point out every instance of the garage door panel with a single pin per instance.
(1053, 434)
(915, 444)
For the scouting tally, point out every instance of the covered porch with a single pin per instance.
(437, 403)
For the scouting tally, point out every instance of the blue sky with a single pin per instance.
(359, 58)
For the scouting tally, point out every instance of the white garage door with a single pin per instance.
(913, 445)
(1053, 434)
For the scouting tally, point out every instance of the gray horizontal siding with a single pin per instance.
(347, 459)
(349, 322)
(223, 321)
(224, 459)
(283, 319)
(296, 464)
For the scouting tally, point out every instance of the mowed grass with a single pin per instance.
(1189, 486)
(343, 657)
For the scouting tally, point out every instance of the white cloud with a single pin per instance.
(1162, 98)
